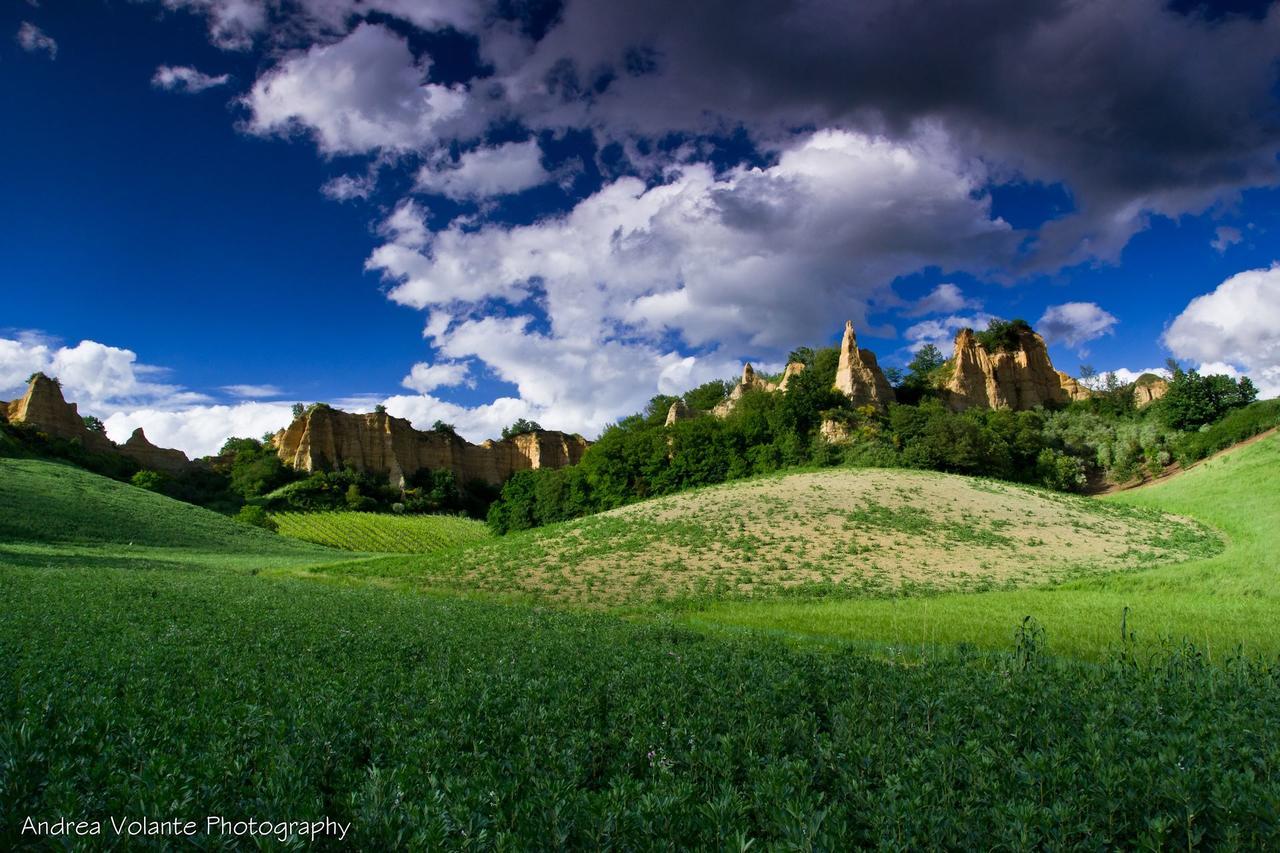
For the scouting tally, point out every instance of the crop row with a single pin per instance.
(379, 532)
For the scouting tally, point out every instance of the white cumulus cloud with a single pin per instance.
(199, 430)
(1237, 325)
(425, 378)
(1075, 323)
(363, 94)
(484, 172)
(946, 298)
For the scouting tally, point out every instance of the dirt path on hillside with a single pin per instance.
(1176, 469)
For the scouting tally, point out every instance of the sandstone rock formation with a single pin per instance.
(858, 376)
(1148, 388)
(749, 382)
(44, 407)
(1019, 378)
(678, 412)
(793, 369)
(146, 454)
(835, 432)
(1072, 387)
(326, 439)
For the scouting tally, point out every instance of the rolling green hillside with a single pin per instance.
(388, 534)
(54, 513)
(842, 531)
(431, 722)
(1220, 601)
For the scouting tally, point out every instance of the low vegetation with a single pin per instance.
(377, 532)
(833, 532)
(1105, 439)
(431, 724)
(1222, 601)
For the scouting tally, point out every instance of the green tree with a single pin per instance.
(804, 355)
(256, 516)
(520, 427)
(1003, 335)
(152, 481)
(921, 369)
(298, 410)
(1194, 400)
(655, 411)
(708, 395)
(94, 425)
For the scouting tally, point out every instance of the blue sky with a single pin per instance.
(480, 212)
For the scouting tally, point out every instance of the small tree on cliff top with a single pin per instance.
(520, 427)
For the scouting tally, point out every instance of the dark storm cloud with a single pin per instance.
(1137, 107)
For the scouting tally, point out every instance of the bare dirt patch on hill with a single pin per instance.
(842, 531)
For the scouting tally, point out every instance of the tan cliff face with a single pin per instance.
(1018, 379)
(44, 408)
(327, 439)
(1148, 389)
(858, 375)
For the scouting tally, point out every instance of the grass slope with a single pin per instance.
(437, 724)
(1218, 601)
(389, 534)
(57, 514)
(837, 531)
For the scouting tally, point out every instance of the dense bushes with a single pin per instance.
(1235, 427)
(1102, 438)
(25, 439)
(1193, 401)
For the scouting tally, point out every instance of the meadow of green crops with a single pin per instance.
(389, 534)
(160, 660)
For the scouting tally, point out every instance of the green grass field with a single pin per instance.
(388, 534)
(1219, 602)
(187, 679)
(54, 514)
(160, 660)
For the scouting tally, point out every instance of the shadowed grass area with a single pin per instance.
(55, 515)
(1220, 601)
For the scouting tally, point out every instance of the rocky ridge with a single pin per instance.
(1021, 377)
(43, 407)
(325, 439)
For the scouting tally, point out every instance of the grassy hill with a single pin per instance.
(849, 532)
(388, 534)
(431, 722)
(54, 513)
(1219, 601)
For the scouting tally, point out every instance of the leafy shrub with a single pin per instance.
(1237, 426)
(520, 427)
(708, 395)
(152, 481)
(1194, 400)
(1060, 471)
(1003, 335)
(256, 516)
